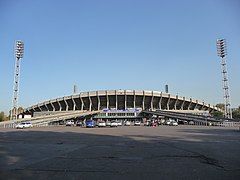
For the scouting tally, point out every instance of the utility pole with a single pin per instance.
(19, 49)
(222, 53)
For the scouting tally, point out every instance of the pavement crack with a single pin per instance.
(203, 159)
(85, 158)
(66, 170)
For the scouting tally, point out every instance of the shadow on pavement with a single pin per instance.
(202, 154)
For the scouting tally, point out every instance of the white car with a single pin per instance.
(24, 125)
(162, 121)
(191, 123)
(173, 123)
(114, 124)
(137, 123)
(119, 123)
(70, 123)
(101, 124)
(127, 123)
(168, 122)
(108, 123)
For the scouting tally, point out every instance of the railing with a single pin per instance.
(44, 121)
(8, 125)
(229, 124)
(197, 119)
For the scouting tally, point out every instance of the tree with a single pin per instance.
(2, 116)
(221, 106)
(236, 113)
(217, 114)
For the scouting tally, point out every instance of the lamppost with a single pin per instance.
(222, 53)
(19, 49)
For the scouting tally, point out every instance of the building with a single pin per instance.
(119, 103)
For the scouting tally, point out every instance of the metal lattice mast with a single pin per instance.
(222, 53)
(19, 49)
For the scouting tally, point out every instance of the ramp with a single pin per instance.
(36, 121)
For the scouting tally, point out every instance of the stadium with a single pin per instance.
(120, 104)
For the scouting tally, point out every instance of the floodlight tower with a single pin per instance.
(222, 53)
(19, 49)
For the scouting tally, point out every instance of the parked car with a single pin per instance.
(70, 123)
(61, 123)
(173, 123)
(108, 123)
(119, 123)
(114, 124)
(101, 124)
(90, 123)
(79, 123)
(23, 125)
(210, 124)
(127, 123)
(137, 123)
(191, 123)
(154, 124)
(162, 121)
(167, 122)
(147, 123)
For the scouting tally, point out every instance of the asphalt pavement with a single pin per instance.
(164, 152)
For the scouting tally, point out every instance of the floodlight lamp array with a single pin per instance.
(19, 49)
(221, 48)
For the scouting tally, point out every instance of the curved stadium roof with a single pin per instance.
(121, 99)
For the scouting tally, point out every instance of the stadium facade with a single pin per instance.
(120, 103)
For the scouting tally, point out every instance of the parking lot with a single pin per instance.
(127, 152)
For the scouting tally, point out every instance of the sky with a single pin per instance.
(119, 44)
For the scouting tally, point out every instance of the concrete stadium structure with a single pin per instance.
(120, 100)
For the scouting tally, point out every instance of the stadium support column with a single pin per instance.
(143, 102)
(46, 106)
(160, 102)
(182, 106)
(196, 105)
(82, 104)
(52, 105)
(116, 100)
(107, 100)
(32, 109)
(168, 101)
(60, 107)
(209, 107)
(39, 107)
(74, 104)
(201, 108)
(125, 99)
(189, 104)
(152, 101)
(134, 99)
(99, 102)
(65, 103)
(90, 102)
(175, 105)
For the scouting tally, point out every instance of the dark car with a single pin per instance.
(90, 123)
